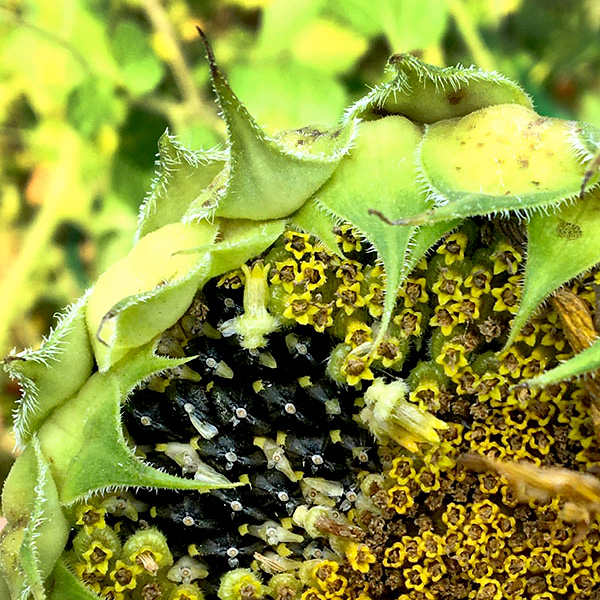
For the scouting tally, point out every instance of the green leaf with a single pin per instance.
(263, 181)
(379, 173)
(181, 175)
(580, 364)
(497, 160)
(92, 104)
(560, 246)
(141, 71)
(358, 14)
(282, 21)
(425, 237)
(585, 140)
(410, 25)
(84, 442)
(53, 373)
(427, 94)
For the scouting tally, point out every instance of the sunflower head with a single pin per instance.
(313, 374)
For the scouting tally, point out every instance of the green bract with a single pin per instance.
(427, 150)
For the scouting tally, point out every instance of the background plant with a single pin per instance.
(87, 87)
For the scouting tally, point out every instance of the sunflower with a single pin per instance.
(337, 363)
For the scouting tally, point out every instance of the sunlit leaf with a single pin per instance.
(410, 25)
(282, 21)
(284, 93)
(37, 531)
(267, 178)
(180, 176)
(312, 217)
(327, 46)
(152, 280)
(51, 374)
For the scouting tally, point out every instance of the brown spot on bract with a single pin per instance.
(456, 97)
(522, 162)
(568, 230)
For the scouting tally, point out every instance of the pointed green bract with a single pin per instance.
(181, 176)
(267, 178)
(496, 160)
(426, 93)
(314, 219)
(53, 373)
(66, 585)
(380, 174)
(84, 439)
(37, 530)
(423, 238)
(560, 246)
(582, 363)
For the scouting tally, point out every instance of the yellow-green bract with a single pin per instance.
(428, 149)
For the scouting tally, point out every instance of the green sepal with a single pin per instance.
(425, 237)
(147, 291)
(53, 373)
(181, 175)
(313, 219)
(498, 160)
(267, 178)
(84, 440)
(379, 173)
(560, 246)
(585, 362)
(37, 529)
(65, 585)
(426, 94)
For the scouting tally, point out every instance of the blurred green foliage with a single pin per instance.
(88, 86)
